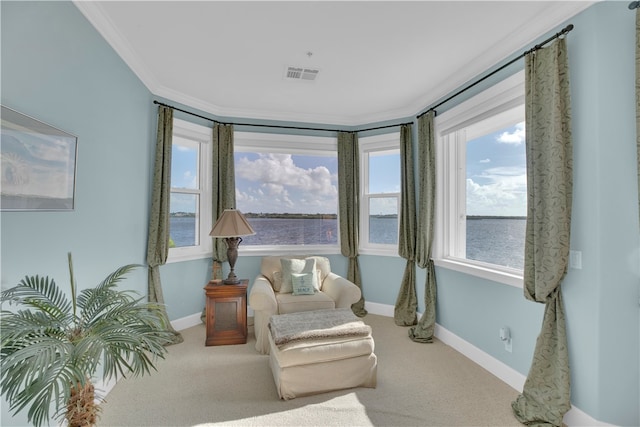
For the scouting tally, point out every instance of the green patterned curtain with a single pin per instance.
(423, 331)
(404, 313)
(546, 396)
(158, 241)
(638, 96)
(224, 184)
(349, 209)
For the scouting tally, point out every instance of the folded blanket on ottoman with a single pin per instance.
(318, 324)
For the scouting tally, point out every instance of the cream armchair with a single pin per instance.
(268, 296)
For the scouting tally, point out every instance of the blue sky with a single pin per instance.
(496, 173)
(268, 183)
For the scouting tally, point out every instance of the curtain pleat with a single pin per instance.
(546, 396)
(349, 209)
(158, 239)
(404, 313)
(424, 330)
(224, 184)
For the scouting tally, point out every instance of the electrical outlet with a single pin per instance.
(505, 337)
(575, 259)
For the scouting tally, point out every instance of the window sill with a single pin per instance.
(188, 257)
(509, 277)
(289, 250)
(392, 252)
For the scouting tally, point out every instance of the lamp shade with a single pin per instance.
(231, 224)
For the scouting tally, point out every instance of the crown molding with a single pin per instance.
(93, 12)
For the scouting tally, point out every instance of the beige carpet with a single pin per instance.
(418, 385)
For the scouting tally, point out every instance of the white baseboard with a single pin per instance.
(187, 322)
(575, 417)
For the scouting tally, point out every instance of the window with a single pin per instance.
(287, 188)
(380, 200)
(190, 201)
(482, 190)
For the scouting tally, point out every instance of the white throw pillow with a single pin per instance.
(292, 265)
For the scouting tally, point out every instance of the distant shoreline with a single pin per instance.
(327, 216)
(494, 217)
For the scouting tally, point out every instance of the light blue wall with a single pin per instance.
(602, 299)
(57, 68)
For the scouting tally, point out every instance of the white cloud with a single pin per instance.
(504, 193)
(281, 185)
(485, 161)
(189, 179)
(516, 137)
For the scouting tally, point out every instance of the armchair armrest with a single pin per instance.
(262, 297)
(262, 300)
(342, 291)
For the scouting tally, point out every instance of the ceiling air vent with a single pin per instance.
(300, 73)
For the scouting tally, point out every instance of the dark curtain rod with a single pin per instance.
(278, 126)
(634, 5)
(564, 31)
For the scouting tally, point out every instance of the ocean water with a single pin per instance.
(495, 240)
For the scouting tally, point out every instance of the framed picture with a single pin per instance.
(38, 165)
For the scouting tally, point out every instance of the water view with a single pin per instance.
(499, 240)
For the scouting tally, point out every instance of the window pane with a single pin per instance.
(383, 220)
(184, 164)
(384, 172)
(288, 199)
(496, 199)
(183, 224)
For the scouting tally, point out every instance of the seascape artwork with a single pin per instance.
(38, 164)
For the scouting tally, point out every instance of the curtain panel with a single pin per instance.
(404, 313)
(424, 330)
(158, 239)
(349, 209)
(546, 396)
(224, 184)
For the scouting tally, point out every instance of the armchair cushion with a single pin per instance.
(290, 303)
(303, 283)
(292, 266)
(271, 268)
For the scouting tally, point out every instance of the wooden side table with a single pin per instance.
(226, 312)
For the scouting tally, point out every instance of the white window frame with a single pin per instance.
(201, 137)
(378, 144)
(256, 142)
(505, 99)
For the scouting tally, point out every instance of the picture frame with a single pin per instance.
(38, 165)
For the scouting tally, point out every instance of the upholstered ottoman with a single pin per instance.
(318, 351)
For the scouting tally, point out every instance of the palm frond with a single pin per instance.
(39, 375)
(21, 328)
(40, 293)
(93, 301)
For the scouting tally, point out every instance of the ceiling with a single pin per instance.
(377, 60)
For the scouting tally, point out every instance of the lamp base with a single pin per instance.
(233, 281)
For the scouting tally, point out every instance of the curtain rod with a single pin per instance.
(564, 31)
(634, 5)
(278, 126)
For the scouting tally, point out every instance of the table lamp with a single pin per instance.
(231, 226)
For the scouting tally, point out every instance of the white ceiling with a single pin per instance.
(378, 60)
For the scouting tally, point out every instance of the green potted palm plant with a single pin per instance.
(52, 346)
